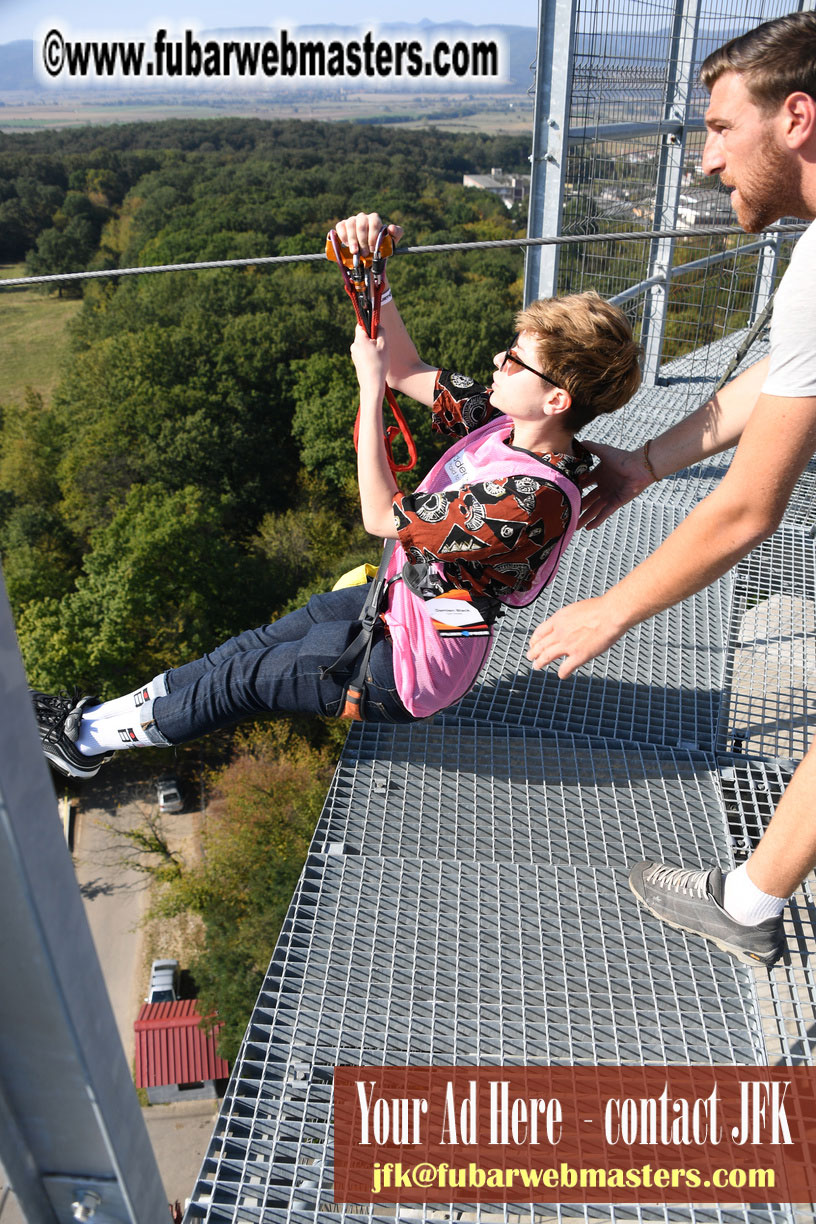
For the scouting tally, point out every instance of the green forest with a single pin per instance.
(192, 474)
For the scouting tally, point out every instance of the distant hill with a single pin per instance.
(17, 66)
(632, 51)
(17, 71)
(621, 51)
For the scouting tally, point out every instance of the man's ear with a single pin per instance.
(797, 116)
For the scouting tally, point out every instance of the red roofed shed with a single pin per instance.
(173, 1054)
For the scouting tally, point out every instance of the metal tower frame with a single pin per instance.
(553, 133)
(72, 1136)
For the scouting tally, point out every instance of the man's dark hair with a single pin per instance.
(775, 59)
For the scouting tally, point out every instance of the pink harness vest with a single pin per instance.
(432, 671)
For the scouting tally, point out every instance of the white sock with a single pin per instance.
(131, 701)
(105, 734)
(117, 724)
(745, 902)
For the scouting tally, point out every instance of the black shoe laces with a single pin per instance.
(52, 712)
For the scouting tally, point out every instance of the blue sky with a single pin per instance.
(24, 18)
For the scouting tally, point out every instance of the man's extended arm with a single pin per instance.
(776, 444)
(712, 428)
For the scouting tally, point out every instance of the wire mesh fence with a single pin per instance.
(635, 163)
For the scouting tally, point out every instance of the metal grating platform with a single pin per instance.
(466, 963)
(771, 674)
(489, 794)
(661, 683)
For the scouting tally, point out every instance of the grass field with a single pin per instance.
(496, 114)
(33, 337)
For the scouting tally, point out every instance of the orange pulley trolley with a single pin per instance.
(363, 282)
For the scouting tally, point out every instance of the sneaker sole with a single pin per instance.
(70, 771)
(747, 958)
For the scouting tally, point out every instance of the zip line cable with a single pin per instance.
(260, 261)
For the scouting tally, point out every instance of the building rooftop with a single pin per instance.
(173, 1048)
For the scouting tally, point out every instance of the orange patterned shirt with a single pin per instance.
(490, 536)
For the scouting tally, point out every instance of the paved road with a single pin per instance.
(115, 897)
(180, 1134)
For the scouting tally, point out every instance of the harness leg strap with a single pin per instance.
(358, 651)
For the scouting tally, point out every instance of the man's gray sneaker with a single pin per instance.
(692, 901)
(59, 719)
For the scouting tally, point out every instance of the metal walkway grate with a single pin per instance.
(394, 961)
(661, 683)
(771, 674)
(489, 794)
(466, 898)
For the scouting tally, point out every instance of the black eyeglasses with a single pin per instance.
(511, 356)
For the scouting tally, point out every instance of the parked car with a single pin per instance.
(164, 982)
(168, 795)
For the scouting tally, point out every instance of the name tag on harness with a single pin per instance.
(454, 615)
(459, 470)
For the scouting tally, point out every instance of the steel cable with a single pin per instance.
(265, 260)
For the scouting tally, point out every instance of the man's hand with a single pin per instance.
(579, 632)
(619, 478)
(359, 233)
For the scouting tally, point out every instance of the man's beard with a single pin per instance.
(770, 191)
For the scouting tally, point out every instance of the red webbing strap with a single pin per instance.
(352, 707)
(392, 432)
(334, 250)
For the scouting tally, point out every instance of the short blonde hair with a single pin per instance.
(587, 346)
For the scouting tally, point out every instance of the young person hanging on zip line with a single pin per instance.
(761, 140)
(487, 527)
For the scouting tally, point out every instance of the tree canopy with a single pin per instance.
(268, 801)
(198, 410)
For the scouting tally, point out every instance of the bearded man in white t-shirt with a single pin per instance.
(761, 123)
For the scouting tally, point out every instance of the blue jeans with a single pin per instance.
(278, 668)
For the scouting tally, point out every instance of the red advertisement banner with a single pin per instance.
(575, 1134)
